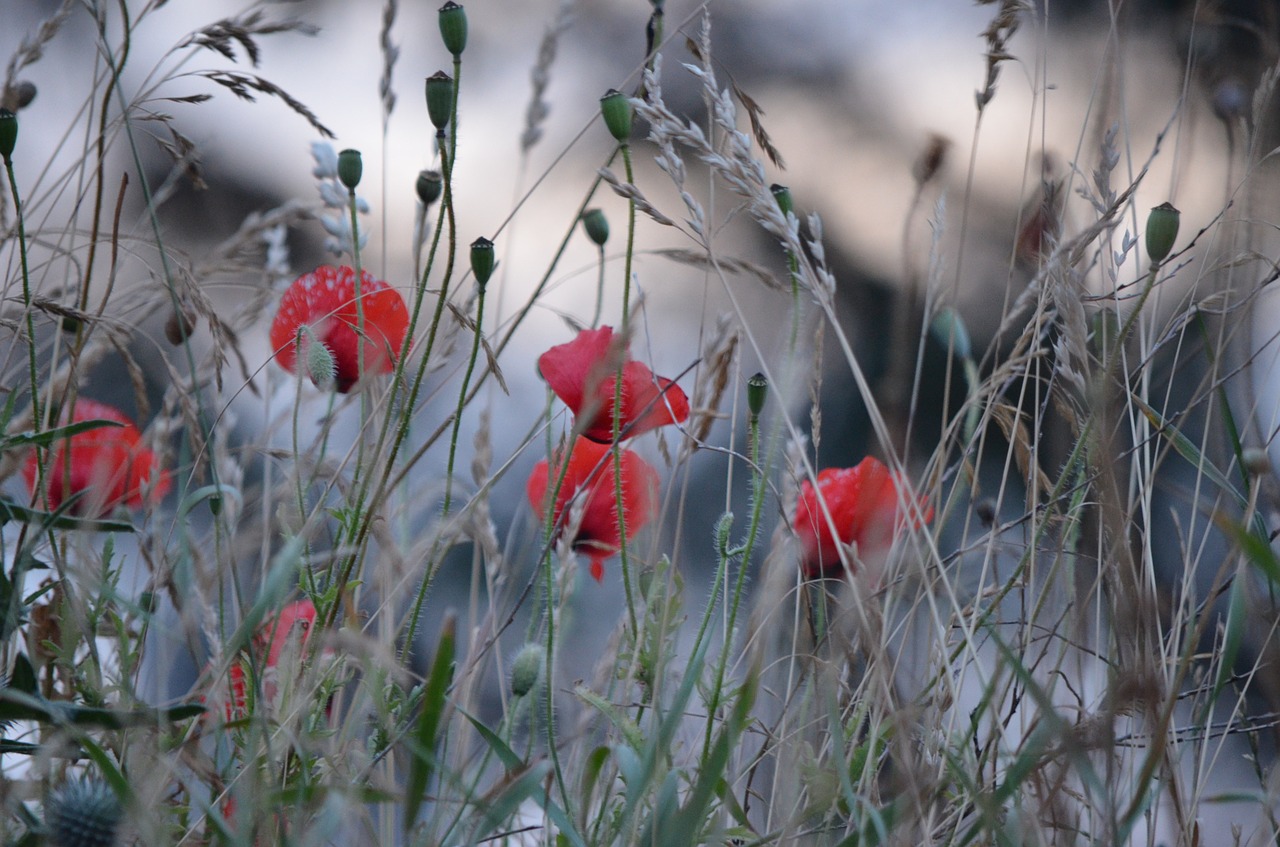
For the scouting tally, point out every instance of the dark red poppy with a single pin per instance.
(325, 300)
(590, 475)
(292, 626)
(864, 506)
(107, 466)
(584, 374)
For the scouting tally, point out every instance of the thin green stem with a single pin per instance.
(34, 373)
(462, 401)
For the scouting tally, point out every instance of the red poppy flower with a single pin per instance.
(107, 466)
(325, 300)
(584, 374)
(292, 626)
(863, 502)
(590, 475)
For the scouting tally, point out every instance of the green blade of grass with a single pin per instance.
(423, 751)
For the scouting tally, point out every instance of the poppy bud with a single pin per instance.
(83, 813)
(8, 133)
(783, 195)
(429, 186)
(482, 259)
(1162, 231)
(527, 668)
(178, 327)
(320, 364)
(596, 225)
(350, 167)
(453, 28)
(757, 391)
(616, 109)
(439, 99)
(1256, 461)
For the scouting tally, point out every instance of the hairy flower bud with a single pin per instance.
(1162, 231)
(320, 364)
(350, 168)
(453, 28)
(757, 392)
(482, 259)
(596, 225)
(616, 110)
(526, 670)
(439, 99)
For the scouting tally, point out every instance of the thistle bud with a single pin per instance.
(527, 668)
(782, 195)
(439, 99)
(429, 186)
(482, 259)
(616, 109)
(350, 168)
(757, 392)
(453, 28)
(8, 133)
(1162, 231)
(596, 225)
(83, 813)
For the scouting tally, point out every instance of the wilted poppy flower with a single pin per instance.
(584, 374)
(106, 467)
(325, 301)
(863, 502)
(590, 475)
(290, 628)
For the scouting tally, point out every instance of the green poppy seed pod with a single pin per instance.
(596, 225)
(439, 99)
(430, 186)
(527, 668)
(757, 391)
(8, 133)
(453, 28)
(616, 109)
(1162, 231)
(482, 259)
(83, 813)
(350, 168)
(782, 194)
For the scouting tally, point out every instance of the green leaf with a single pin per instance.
(423, 752)
(59, 519)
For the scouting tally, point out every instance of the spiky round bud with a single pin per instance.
(83, 813)
(430, 186)
(526, 670)
(616, 109)
(8, 133)
(757, 392)
(350, 168)
(439, 99)
(179, 326)
(782, 195)
(1162, 231)
(321, 367)
(453, 28)
(482, 259)
(596, 225)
